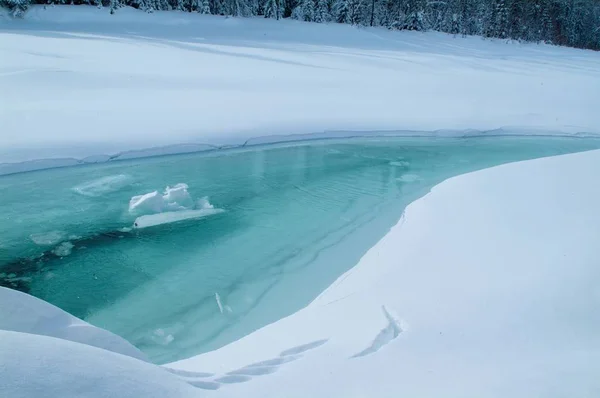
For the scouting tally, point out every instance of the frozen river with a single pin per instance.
(294, 217)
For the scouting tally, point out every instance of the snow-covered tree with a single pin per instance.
(563, 22)
(17, 8)
(273, 9)
(304, 11)
(322, 13)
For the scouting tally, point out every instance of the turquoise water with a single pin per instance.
(295, 217)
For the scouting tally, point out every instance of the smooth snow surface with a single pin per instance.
(35, 366)
(487, 287)
(21, 312)
(83, 83)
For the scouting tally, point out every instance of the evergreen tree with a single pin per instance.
(203, 7)
(273, 9)
(322, 13)
(340, 10)
(304, 11)
(562, 22)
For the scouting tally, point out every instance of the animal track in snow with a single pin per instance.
(187, 373)
(247, 372)
(303, 348)
(233, 379)
(254, 371)
(205, 385)
(273, 362)
(385, 335)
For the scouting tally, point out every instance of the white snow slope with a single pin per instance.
(21, 312)
(487, 287)
(78, 82)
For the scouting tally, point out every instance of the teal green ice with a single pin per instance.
(296, 216)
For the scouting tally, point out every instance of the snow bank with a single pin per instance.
(36, 366)
(21, 312)
(487, 287)
(276, 78)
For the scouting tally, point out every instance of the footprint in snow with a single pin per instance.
(210, 381)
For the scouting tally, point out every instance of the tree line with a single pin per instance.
(574, 23)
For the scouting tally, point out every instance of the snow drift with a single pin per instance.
(21, 312)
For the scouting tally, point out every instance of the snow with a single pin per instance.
(21, 312)
(42, 366)
(485, 288)
(86, 85)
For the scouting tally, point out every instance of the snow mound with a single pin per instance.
(35, 366)
(21, 312)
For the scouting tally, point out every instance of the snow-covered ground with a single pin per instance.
(79, 82)
(487, 287)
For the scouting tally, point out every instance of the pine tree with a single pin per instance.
(304, 11)
(203, 7)
(273, 9)
(563, 22)
(322, 13)
(17, 8)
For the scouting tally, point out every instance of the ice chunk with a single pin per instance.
(150, 202)
(161, 337)
(103, 185)
(48, 238)
(219, 304)
(168, 217)
(64, 249)
(203, 203)
(177, 197)
(173, 199)
(408, 178)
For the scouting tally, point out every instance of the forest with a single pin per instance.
(574, 23)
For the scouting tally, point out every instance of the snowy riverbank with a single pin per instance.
(485, 288)
(84, 84)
